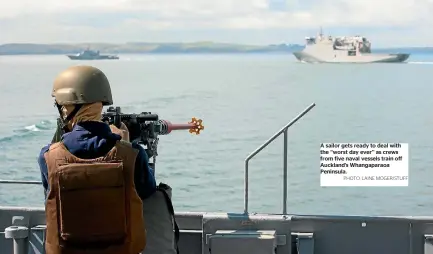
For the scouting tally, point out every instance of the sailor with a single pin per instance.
(95, 181)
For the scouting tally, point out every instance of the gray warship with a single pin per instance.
(343, 49)
(88, 54)
(22, 228)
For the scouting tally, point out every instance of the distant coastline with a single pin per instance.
(170, 48)
(142, 48)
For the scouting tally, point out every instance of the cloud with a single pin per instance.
(149, 20)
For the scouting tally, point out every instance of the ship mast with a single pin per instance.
(320, 37)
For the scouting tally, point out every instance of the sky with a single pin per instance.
(386, 23)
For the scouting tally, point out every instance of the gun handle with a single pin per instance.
(117, 121)
(57, 137)
(59, 132)
(117, 117)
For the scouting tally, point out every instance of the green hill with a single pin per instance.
(142, 48)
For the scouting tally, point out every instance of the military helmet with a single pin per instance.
(82, 85)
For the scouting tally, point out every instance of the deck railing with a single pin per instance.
(260, 148)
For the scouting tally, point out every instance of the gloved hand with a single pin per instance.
(122, 131)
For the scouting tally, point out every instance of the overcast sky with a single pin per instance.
(384, 22)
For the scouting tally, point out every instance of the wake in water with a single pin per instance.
(30, 130)
(303, 62)
(420, 62)
(43, 125)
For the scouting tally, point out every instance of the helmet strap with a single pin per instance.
(65, 121)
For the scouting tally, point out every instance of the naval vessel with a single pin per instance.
(88, 54)
(343, 49)
(22, 228)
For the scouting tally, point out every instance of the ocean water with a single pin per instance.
(243, 100)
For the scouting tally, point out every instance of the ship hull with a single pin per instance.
(344, 58)
(73, 57)
(23, 230)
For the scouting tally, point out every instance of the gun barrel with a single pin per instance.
(167, 126)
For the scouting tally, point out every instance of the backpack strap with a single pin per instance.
(162, 188)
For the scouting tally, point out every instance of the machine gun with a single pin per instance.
(145, 127)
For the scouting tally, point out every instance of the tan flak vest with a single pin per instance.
(92, 206)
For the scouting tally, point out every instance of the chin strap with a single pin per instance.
(64, 121)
